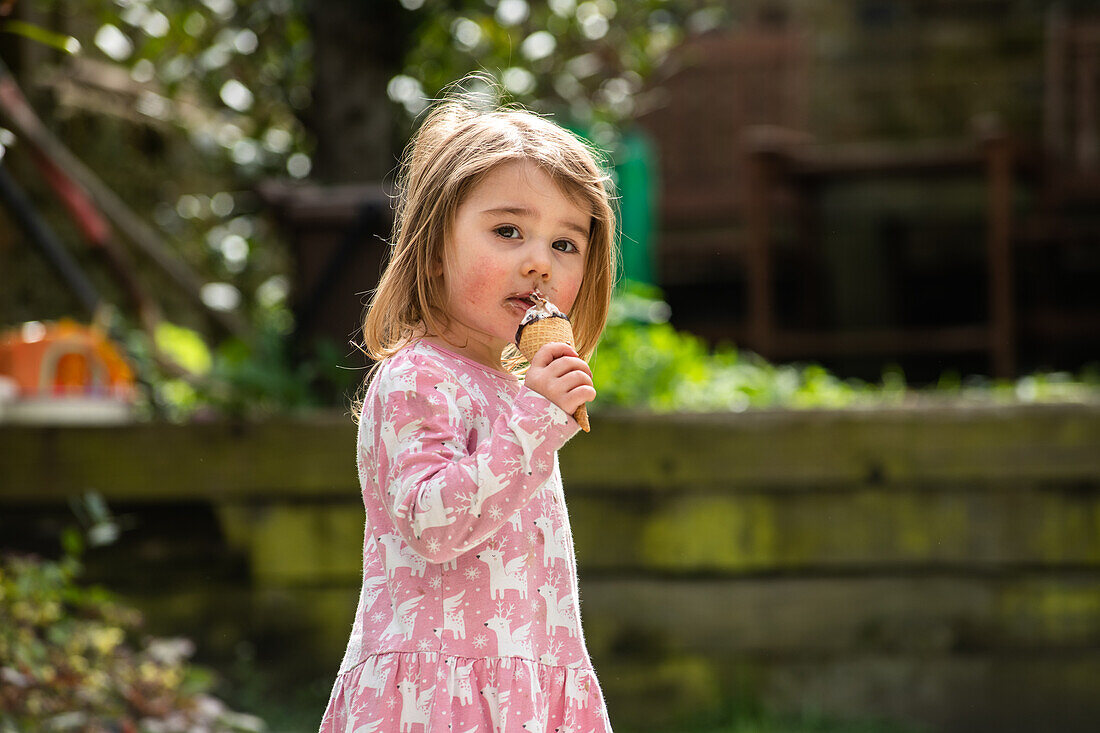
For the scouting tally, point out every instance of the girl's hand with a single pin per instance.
(559, 374)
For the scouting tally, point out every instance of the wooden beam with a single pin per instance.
(314, 457)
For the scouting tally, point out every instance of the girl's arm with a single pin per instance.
(444, 498)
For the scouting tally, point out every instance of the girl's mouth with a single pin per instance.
(526, 299)
(521, 302)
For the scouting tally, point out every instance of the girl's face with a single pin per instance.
(515, 232)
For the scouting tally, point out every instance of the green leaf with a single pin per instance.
(184, 346)
(45, 36)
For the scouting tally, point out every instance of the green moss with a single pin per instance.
(1052, 612)
(1069, 530)
(290, 544)
(656, 695)
(713, 533)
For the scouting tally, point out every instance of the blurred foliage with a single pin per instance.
(202, 100)
(71, 658)
(244, 380)
(226, 80)
(232, 74)
(644, 363)
(586, 62)
(229, 80)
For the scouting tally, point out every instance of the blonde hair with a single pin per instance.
(460, 141)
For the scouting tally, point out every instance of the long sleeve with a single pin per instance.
(450, 476)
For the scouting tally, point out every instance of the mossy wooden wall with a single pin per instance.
(940, 565)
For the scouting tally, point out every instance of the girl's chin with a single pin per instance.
(477, 341)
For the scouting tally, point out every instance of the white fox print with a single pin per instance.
(553, 486)
(559, 611)
(510, 642)
(556, 417)
(366, 459)
(370, 548)
(535, 723)
(454, 620)
(372, 588)
(516, 520)
(415, 706)
(577, 683)
(498, 704)
(402, 378)
(462, 402)
(375, 674)
(432, 511)
(482, 426)
(400, 442)
(404, 619)
(470, 385)
(488, 484)
(551, 656)
(459, 683)
(400, 555)
(527, 440)
(554, 547)
(501, 577)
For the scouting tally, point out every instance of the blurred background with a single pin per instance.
(844, 471)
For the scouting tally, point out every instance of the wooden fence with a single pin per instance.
(937, 565)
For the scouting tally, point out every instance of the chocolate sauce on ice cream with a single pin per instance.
(542, 308)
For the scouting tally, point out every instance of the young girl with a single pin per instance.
(468, 619)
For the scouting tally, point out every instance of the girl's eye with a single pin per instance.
(564, 245)
(508, 232)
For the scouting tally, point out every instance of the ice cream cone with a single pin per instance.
(533, 336)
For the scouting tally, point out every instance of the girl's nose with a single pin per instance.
(536, 263)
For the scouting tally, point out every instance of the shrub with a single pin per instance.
(644, 363)
(72, 658)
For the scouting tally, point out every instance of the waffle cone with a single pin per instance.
(537, 334)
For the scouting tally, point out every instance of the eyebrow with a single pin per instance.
(524, 211)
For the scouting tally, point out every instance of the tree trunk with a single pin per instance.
(358, 47)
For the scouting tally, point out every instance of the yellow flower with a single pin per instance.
(97, 679)
(51, 612)
(106, 640)
(148, 672)
(172, 678)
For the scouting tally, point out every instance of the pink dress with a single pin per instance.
(468, 618)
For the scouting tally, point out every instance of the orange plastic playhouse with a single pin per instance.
(64, 361)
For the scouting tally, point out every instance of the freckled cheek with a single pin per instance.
(480, 283)
(566, 297)
(567, 290)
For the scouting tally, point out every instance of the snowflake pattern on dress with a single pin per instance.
(469, 615)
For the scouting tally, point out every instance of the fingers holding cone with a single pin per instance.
(533, 336)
